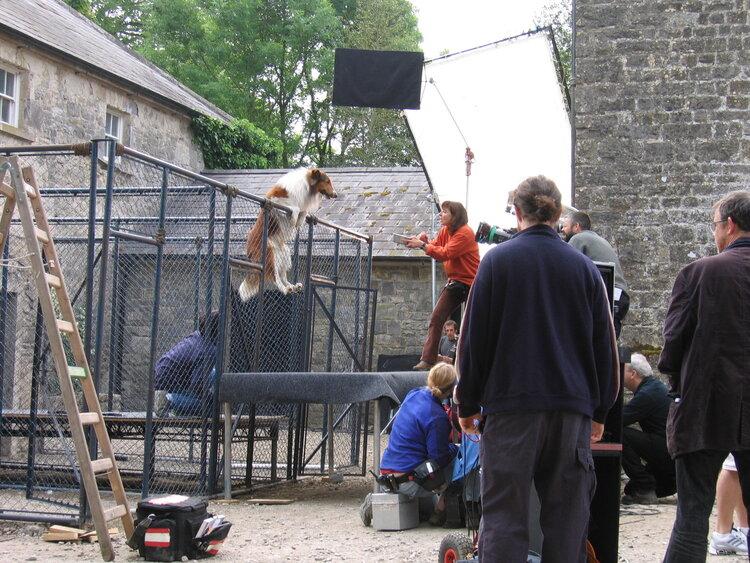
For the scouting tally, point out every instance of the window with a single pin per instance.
(113, 126)
(8, 97)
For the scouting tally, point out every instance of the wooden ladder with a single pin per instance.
(22, 193)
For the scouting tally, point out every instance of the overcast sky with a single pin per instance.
(461, 24)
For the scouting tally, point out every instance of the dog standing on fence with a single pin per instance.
(302, 190)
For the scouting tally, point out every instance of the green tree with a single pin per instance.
(270, 62)
(367, 136)
(121, 18)
(558, 15)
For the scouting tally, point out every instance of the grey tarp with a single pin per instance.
(323, 388)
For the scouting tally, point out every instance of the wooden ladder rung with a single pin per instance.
(65, 326)
(41, 235)
(7, 190)
(88, 418)
(54, 281)
(29, 191)
(115, 512)
(77, 372)
(101, 465)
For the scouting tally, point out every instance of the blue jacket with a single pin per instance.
(536, 335)
(186, 367)
(420, 432)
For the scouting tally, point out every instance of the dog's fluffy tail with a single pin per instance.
(249, 287)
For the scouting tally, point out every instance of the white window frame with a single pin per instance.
(13, 99)
(110, 116)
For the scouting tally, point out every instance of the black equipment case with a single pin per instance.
(166, 527)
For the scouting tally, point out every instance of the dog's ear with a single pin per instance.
(315, 174)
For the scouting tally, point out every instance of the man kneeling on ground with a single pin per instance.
(649, 408)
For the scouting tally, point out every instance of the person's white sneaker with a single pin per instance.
(728, 544)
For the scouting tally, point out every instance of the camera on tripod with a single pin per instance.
(492, 234)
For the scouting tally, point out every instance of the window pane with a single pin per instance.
(10, 84)
(108, 125)
(2, 81)
(5, 111)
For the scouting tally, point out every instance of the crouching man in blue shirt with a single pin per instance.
(420, 434)
(187, 369)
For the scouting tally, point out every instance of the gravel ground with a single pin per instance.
(323, 525)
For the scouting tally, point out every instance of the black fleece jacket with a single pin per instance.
(537, 335)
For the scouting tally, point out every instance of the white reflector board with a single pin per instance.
(507, 102)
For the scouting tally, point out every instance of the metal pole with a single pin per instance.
(228, 450)
(368, 281)
(221, 349)
(102, 295)
(34, 402)
(197, 283)
(90, 250)
(210, 249)
(3, 321)
(114, 322)
(376, 442)
(149, 447)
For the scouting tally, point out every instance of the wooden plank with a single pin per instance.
(7, 191)
(115, 512)
(77, 372)
(60, 536)
(41, 236)
(101, 465)
(269, 501)
(64, 326)
(88, 418)
(53, 281)
(92, 537)
(58, 528)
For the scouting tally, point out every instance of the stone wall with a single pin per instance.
(404, 304)
(64, 104)
(661, 97)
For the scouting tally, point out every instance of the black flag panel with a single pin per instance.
(377, 79)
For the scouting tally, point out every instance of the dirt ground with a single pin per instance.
(323, 525)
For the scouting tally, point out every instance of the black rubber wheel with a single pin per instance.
(456, 546)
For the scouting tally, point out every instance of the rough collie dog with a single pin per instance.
(302, 190)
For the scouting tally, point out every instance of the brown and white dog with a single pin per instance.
(302, 190)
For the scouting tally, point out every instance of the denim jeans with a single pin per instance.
(696, 489)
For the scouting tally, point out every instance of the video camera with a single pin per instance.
(492, 234)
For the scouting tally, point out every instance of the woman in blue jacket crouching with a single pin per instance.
(418, 461)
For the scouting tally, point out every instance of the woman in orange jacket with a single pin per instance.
(457, 249)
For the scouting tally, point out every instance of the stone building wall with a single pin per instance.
(662, 122)
(63, 104)
(404, 304)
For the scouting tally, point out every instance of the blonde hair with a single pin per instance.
(441, 379)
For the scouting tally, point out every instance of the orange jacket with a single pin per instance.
(458, 251)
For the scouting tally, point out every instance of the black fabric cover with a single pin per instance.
(377, 79)
(336, 388)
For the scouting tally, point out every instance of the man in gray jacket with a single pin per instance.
(577, 232)
(706, 356)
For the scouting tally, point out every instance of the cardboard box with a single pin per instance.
(394, 511)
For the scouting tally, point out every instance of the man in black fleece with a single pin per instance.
(537, 353)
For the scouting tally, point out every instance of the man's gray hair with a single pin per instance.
(640, 364)
(737, 206)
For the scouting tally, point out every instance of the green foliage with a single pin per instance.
(271, 62)
(121, 18)
(558, 15)
(236, 145)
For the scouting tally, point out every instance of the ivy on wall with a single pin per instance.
(235, 145)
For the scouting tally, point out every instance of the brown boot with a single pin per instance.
(422, 366)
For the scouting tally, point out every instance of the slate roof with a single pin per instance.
(371, 201)
(55, 27)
